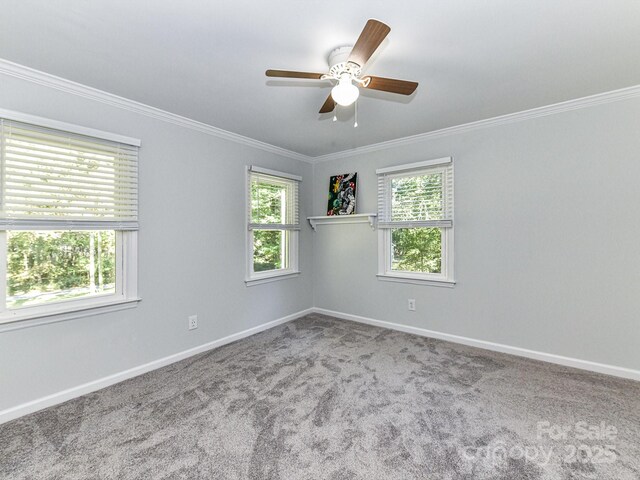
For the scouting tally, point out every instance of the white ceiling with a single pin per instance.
(205, 59)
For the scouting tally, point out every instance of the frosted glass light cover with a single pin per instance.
(345, 93)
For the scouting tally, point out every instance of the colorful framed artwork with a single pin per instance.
(342, 194)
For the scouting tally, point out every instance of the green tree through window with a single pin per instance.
(417, 249)
(268, 204)
(415, 222)
(45, 266)
(417, 198)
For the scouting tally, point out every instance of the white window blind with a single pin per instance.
(273, 200)
(51, 179)
(421, 196)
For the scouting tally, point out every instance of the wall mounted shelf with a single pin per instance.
(369, 218)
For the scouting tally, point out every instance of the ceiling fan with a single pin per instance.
(345, 68)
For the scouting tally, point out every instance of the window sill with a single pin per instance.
(25, 320)
(271, 278)
(416, 281)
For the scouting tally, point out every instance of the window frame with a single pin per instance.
(126, 284)
(385, 247)
(292, 254)
(126, 294)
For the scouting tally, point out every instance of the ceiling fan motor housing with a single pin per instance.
(338, 64)
(339, 55)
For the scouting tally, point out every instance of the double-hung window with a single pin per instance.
(415, 222)
(273, 225)
(68, 219)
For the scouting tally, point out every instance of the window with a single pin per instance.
(68, 220)
(273, 225)
(415, 222)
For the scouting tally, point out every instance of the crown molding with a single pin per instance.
(578, 103)
(41, 78)
(68, 86)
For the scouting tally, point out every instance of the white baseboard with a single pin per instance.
(60, 397)
(496, 347)
(74, 392)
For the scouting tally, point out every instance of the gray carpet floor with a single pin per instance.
(321, 398)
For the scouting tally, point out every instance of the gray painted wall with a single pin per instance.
(546, 245)
(191, 254)
(546, 237)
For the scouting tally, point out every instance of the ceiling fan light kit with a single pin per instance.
(345, 93)
(345, 73)
(345, 68)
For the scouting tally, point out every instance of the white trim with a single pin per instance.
(444, 166)
(444, 278)
(575, 104)
(387, 277)
(417, 223)
(68, 86)
(3, 271)
(66, 127)
(74, 392)
(125, 295)
(130, 267)
(53, 223)
(291, 233)
(275, 173)
(273, 226)
(87, 311)
(272, 277)
(415, 166)
(606, 369)
(369, 218)
(41, 78)
(77, 391)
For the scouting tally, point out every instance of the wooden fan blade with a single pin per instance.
(328, 105)
(289, 74)
(403, 87)
(372, 35)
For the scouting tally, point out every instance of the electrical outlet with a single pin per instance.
(193, 322)
(412, 304)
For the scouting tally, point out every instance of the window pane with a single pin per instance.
(417, 198)
(268, 203)
(269, 250)
(416, 250)
(50, 266)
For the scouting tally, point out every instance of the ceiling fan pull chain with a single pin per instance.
(355, 106)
